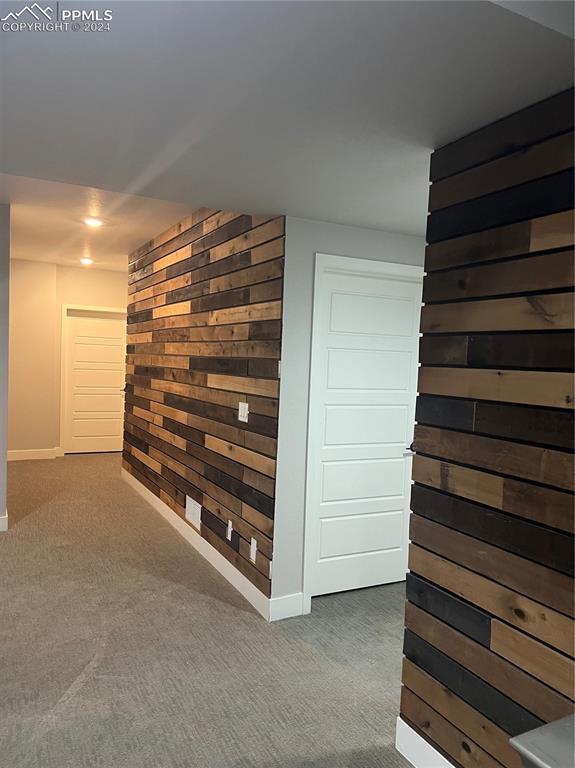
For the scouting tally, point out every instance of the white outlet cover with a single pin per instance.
(243, 411)
(229, 531)
(253, 549)
(193, 512)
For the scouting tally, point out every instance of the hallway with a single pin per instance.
(121, 648)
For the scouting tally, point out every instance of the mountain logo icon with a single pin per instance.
(35, 10)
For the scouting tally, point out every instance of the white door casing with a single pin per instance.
(362, 409)
(93, 377)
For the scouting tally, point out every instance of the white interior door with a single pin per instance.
(94, 376)
(362, 411)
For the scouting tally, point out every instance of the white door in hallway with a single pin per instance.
(362, 410)
(93, 380)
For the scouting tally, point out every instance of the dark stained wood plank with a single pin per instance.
(531, 617)
(536, 425)
(541, 465)
(448, 608)
(514, 571)
(449, 739)
(500, 709)
(541, 159)
(543, 233)
(542, 545)
(509, 134)
(243, 566)
(532, 502)
(541, 312)
(551, 194)
(530, 693)
(446, 412)
(464, 717)
(546, 272)
(547, 351)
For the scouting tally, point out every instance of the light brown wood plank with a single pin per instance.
(532, 617)
(530, 313)
(451, 740)
(243, 456)
(529, 462)
(461, 715)
(542, 662)
(550, 271)
(511, 680)
(554, 390)
(547, 586)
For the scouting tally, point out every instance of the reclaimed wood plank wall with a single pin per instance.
(204, 334)
(489, 619)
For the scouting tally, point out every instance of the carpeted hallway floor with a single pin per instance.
(121, 648)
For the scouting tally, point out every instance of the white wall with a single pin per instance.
(305, 238)
(4, 305)
(37, 293)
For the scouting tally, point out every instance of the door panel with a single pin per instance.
(94, 382)
(362, 411)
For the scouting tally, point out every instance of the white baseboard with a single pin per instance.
(271, 610)
(4, 523)
(35, 454)
(287, 606)
(416, 749)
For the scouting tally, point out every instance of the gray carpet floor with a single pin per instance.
(121, 648)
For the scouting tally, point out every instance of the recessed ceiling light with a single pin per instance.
(92, 222)
(86, 261)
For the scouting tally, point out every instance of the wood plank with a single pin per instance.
(244, 242)
(544, 505)
(450, 740)
(536, 425)
(245, 529)
(262, 387)
(547, 547)
(532, 236)
(459, 614)
(256, 518)
(537, 312)
(183, 308)
(546, 272)
(258, 405)
(267, 310)
(541, 159)
(552, 390)
(514, 571)
(268, 270)
(541, 197)
(464, 717)
(244, 566)
(541, 465)
(530, 693)
(243, 456)
(500, 709)
(245, 349)
(535, 619)
(547, 665)
(549, 351)
(171, 232)
(462, 481)
(518, 131)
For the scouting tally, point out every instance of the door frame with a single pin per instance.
(66, 308)
(326, 263)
